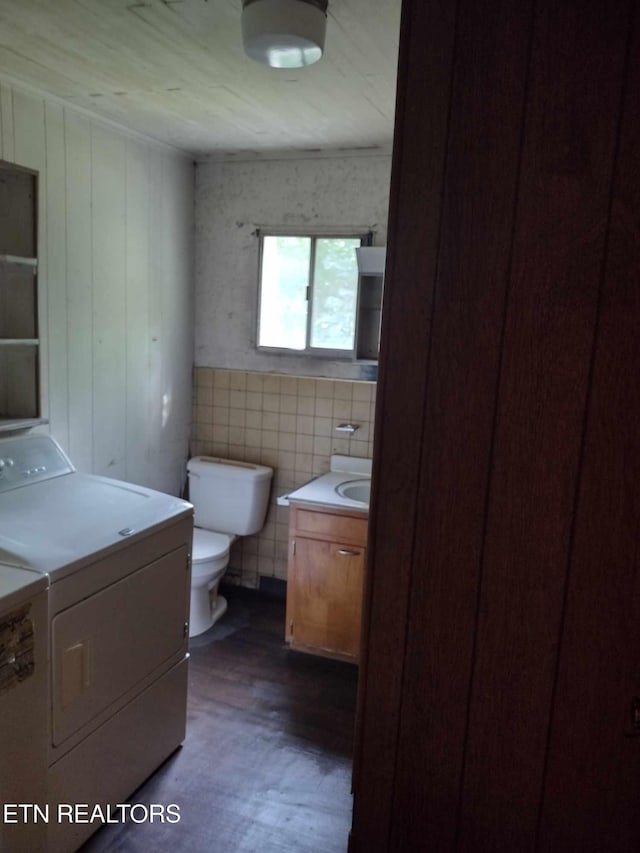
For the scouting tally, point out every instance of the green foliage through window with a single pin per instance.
(308, 293)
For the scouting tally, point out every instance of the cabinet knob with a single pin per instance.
(345, 552)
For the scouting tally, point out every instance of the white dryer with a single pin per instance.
(118, 560)
(23, 707)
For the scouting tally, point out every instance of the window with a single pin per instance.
(308, 293)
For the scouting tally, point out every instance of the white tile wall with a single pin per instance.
(286, 422)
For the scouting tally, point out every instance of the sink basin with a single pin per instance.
(355, 490)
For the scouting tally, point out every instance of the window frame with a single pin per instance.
(365, 235)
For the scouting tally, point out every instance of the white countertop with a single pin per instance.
(322, 490)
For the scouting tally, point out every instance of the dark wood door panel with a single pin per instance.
(504, 523)
(422, 118)
(481, 176)
(592, 791)
(576, 76)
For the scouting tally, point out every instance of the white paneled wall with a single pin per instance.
(116, 288)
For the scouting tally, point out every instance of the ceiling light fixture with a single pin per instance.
(284, 33)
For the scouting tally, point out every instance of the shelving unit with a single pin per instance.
(371, 261)
(19, 340)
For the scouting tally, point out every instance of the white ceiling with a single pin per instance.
(175, 70)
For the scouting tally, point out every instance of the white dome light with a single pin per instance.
(284, 33)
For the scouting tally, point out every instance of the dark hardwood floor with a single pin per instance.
(266, 765)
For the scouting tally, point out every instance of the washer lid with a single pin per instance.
(55, 525)
(208, 545)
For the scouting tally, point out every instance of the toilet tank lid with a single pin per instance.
(230, 469)
(209, 545)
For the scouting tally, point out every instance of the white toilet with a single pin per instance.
(230, 499)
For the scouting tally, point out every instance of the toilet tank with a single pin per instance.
(228, 496)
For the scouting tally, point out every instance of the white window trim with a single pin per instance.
(366, 236)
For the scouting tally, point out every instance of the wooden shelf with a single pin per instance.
(369, 315)
(20, 402)
(18, 260)
(10, 424)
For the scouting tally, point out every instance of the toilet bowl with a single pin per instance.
(209, 560)
(230, 499)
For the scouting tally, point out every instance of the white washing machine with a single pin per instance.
(117, 558)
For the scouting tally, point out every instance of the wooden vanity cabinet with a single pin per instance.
(327, 550)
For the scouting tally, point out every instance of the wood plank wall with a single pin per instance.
(116, 288)
(503, 610)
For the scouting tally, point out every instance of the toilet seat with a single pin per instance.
(208, 545)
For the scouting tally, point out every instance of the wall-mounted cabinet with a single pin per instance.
(19, 342)
(371, 260)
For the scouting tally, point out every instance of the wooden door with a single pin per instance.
(325, 586)
(502, 607)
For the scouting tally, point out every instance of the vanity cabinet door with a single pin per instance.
(324, 597)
